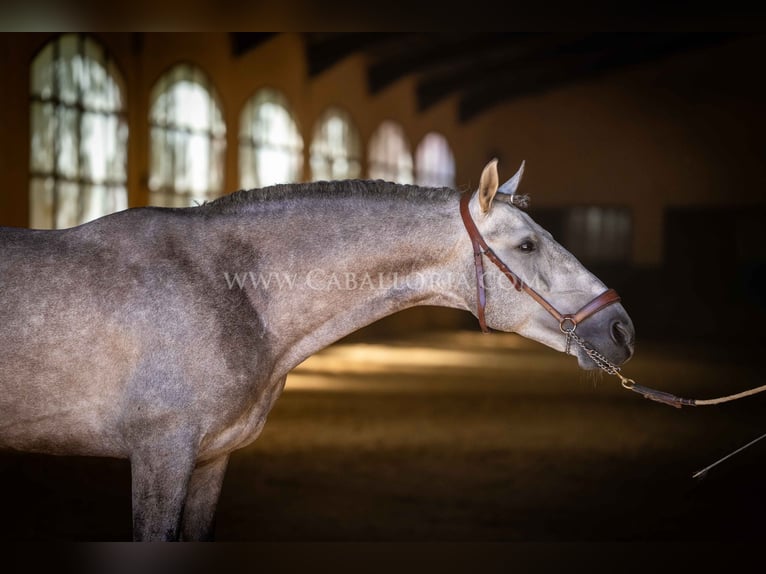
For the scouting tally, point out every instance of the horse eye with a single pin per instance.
(527, 246)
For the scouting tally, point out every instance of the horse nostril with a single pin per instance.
(621, 334)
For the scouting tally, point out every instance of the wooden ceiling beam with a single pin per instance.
(585, 60)
(427, 53)
(324, 50)
(482, 67)
(242, 42)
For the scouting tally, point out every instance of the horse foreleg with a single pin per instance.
(201, 499)
(160, 480)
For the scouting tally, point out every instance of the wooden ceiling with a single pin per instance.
(486, 69)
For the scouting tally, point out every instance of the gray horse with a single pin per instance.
(165, 335)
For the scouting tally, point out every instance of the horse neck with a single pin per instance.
(323, 270)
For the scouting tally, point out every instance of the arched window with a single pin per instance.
(434, 162)
(335, 147)
(188, 139)
(78, 134)
(270, 144)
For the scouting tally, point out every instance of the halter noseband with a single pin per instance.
(567, 322)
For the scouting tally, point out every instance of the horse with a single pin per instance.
(165, 335)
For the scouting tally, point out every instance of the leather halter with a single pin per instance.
(567, 322)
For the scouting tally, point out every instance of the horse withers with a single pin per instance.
(165, 335)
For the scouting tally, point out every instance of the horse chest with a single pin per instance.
(246, 427)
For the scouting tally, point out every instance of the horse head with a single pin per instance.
(536, 287)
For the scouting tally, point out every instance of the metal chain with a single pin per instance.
(601, 361)
(611, 369)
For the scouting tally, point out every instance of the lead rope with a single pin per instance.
(667, 398)
(652, 394)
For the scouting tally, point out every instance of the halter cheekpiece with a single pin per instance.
(567, 322)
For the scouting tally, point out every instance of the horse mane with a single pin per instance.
(348, 188)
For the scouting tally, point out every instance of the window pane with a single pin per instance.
(94, 201)
(67, 205)
(115, 88)
(67, 69)
(216, 167)
(96, 94)
(67, 164)
(161, 109)
(321, 168)
(100, 85)
(196, 159)
(188, 105)
(390, 158)
(159, 160)
(174, 199)
(187, 160)
(116, 144)
(246, 167)
(191, 106)
(42, 138)
(119, 198)
(41, 76)
(176, 144)
(94, 137)
(98, 200)
(335, 147)
(41, 203)
(435, 162)
(274, 166)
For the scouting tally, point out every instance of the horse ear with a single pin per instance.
(510, 186)
(488, 185)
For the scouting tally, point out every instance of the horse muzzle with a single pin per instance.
(610, 332)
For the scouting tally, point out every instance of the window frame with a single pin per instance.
(55, 178)
(249, 143)
(169, 194)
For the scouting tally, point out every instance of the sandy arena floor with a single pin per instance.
(457, 437)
